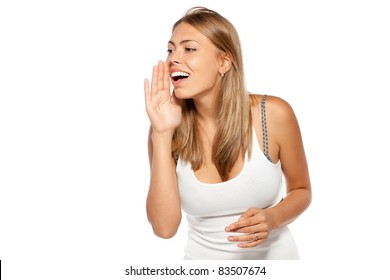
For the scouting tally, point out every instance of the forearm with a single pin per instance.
(163, 202)
(294, 204)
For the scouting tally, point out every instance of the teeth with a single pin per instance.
(176, 74)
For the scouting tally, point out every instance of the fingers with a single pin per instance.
(251, 217)
(147, 91)
(160, 76)
(252, 243)
(167, 82)
(160, 80)
(253, 228)
(163, 78)
(256, 225)
(154, 88)
(249, 240)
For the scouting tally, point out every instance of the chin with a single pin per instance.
(180, 94)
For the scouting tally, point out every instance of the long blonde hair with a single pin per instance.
(232, 105)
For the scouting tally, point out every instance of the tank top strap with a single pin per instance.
(264, 127)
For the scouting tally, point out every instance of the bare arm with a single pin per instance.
(163, 202)
(294, 165)
(288, 147)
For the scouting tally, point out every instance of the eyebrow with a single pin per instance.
(182, 42)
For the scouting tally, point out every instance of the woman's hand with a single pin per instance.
(255, 223)
(163, 109)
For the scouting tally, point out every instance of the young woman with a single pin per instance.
(220, 153)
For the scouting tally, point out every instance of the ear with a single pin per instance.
(225, 63)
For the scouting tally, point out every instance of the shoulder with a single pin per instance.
(277, 108)
(282, 123)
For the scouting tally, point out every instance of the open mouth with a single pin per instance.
(179, 75)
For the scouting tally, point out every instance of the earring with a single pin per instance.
(222, 74)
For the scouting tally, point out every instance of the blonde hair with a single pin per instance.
(232, 105)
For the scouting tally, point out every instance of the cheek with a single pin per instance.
(205, 69)
(204, 62)
(210, 76)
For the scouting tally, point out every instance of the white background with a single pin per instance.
(73, 157)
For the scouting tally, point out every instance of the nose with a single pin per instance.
(174, 57)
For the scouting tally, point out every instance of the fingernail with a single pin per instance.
(230, 238)
(227, 229)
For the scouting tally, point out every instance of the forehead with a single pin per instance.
(185, 31)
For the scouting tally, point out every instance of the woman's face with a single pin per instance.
(193, 63)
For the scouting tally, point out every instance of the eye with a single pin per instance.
(190, 49)
(169, 51)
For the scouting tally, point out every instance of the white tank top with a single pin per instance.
(212, 207)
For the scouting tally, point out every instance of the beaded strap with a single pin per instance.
(264, 125)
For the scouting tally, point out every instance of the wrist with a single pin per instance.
(271, 217)
(165, 136)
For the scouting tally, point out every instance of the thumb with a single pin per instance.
(249, 213)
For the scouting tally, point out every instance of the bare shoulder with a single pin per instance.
(281, 119)
(276, 107)
(279, 109)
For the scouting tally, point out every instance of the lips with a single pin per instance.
(178, 75)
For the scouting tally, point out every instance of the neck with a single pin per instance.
(206, 118)
(205, 108)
